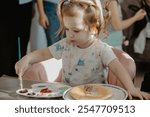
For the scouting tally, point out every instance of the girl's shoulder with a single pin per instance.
(102, 46)
(61, 42)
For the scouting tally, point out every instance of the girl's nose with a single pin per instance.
(71, 35)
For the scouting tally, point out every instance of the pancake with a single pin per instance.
(90, 92)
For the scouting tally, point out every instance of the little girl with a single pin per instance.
(83, 55)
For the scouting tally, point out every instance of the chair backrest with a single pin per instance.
(46, 71)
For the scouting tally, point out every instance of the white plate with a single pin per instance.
(57, 90)
(118, 93)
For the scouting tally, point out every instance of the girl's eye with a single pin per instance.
(76, 31)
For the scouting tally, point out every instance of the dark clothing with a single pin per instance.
(146, 83)
(133, 31)
(140, 25)
(15, 22)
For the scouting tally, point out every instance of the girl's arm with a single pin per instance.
(31, 58)
(43, 20)
(39, 55)
(120, 72)
(116, 20)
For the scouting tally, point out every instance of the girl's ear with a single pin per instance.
(93, 29)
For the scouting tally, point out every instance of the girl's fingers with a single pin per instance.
(139, 95)
(146, 95)
(20, 73)
(129, 96)
(17, 70)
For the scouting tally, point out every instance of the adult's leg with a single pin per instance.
(8, 34)
(24, 23)
(128, 64)
(51, 31)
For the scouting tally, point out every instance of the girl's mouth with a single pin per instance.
(72, 41)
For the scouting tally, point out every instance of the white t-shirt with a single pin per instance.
(82, 66)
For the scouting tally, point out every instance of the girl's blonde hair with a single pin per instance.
(93, 14)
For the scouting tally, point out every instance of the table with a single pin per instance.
(9, 85)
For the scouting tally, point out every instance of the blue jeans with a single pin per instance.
(51, 31)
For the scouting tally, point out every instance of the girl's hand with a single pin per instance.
(139, 94)
(145, 95)
(140, 14)
(134, 93)
(22, 65)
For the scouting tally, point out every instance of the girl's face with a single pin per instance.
(77, 32)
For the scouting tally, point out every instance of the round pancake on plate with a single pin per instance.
(90, 92)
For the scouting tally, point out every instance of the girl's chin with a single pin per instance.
(74, 43)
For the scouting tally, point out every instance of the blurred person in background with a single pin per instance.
(15, 24)
(48, 19)
(44, 29)
(146, 22)
(114, 36)
(112, 10)
(139, 37)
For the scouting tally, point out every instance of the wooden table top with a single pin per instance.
(9, 85)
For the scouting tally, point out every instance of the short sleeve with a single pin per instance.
(107, 55)
(57, 49)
